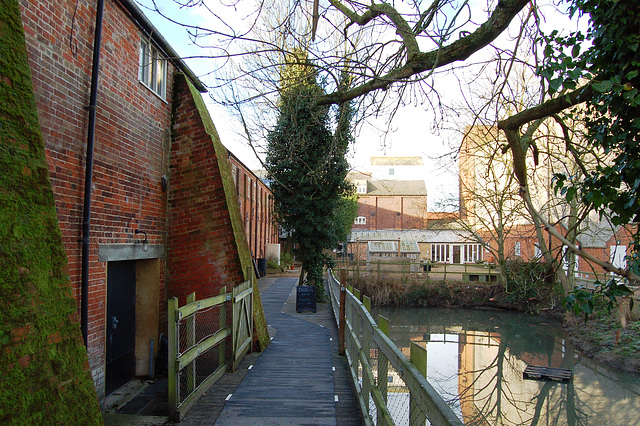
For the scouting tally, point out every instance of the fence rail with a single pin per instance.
(198, 333)
(392, 389)
(427, 272)
(465, 272)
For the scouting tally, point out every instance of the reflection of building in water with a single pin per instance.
(490, 383)
(485, 385)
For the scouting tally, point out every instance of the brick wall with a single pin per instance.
(256, 207)
(203, 254)
(132, 153)
(392, 212)
(207, 245)
(131, 144)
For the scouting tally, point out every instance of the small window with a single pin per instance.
(153, 69)
(517, 248)
(392, 171)
(362, 188)
(360, 220)
(538, 251)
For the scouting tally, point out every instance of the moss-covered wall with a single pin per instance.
(43, 363)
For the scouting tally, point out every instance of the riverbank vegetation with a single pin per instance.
(600, 335)
(521, 293)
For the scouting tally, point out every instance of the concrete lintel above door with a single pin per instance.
(115, 252)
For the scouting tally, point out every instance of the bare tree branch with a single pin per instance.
(419, 62)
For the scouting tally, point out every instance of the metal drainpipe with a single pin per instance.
(88, 180)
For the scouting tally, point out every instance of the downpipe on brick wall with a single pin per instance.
(88, 178)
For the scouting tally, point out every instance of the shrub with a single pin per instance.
(528, 282)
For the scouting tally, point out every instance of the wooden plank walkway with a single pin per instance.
(298, 380)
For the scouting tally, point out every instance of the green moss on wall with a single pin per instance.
(45, 377)
(222, 157)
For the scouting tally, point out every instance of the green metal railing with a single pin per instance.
(392, 389)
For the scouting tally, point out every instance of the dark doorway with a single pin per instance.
(121, 324)
(456, 253)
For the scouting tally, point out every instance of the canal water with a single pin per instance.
(476, 359)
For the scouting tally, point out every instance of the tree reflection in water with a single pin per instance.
(486, 387)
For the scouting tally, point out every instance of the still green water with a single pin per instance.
(476, 359)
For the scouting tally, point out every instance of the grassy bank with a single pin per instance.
(603, 338)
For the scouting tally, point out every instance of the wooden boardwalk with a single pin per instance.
(298, 380)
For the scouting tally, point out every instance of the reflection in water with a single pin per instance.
(476, 359)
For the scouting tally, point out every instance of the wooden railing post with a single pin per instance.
(342, 319)
(222, 323)
(254, 284)
(418, 357)
(383, 365)
(172, 355)
(190, 369)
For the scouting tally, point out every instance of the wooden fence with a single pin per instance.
(197, 343)
(375, 361)
(463, 272)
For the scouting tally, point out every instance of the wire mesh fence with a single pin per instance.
(198, 333)
(192, 331)
(393, 389)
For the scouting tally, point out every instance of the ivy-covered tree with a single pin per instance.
(346, 213)
(307, 166)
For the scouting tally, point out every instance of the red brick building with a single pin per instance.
(389, 204)
(164, 214)
(256, 207)
(488, 187)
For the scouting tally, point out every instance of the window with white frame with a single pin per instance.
(566, 257)
(471, 253)
(361, 188)
(440, 253)
(153, 69)
(517, 248)
(538, 251)
(360, 220)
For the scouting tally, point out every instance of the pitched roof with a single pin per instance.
(396, 187)
(420, 236)
(392, 247)
(596, 234)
